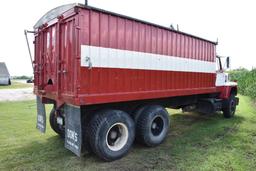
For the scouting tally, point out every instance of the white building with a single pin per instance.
(5, 78)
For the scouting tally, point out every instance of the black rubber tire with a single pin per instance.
(99, 127)
(145, 133)
(54, 125)
(229, 107)
(138, 112)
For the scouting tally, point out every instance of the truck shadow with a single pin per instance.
(187, 131)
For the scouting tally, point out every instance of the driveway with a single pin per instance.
(17, 94)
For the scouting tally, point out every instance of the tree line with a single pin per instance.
(246, 81)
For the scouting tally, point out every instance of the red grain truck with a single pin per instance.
(110, 78)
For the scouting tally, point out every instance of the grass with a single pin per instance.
(195, 142)
(16, 85)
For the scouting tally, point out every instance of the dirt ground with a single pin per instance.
(17, 94)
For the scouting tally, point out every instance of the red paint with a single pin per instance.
(57, 58)
(226, 91)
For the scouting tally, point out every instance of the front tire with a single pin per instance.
(229, 107)
(112, 134)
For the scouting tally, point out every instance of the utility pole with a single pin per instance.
(86, 2)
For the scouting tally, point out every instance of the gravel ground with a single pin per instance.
(17, 94)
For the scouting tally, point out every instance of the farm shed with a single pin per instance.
(4, 75)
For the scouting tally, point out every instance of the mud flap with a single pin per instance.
(73, 129)
(41, 115)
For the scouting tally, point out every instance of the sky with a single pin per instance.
(232, 22)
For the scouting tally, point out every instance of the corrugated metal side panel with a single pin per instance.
(104, 30)
(114, 32)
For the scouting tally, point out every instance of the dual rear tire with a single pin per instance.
(59, 129)
(112, 132)
(152, 125)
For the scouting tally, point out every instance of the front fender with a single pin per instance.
(227, 90)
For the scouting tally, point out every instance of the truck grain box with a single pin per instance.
(111, 77)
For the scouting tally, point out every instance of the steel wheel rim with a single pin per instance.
(157, 125)
(117, 136)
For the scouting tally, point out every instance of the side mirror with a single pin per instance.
(228, 62)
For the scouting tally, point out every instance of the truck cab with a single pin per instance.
(223, 82)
